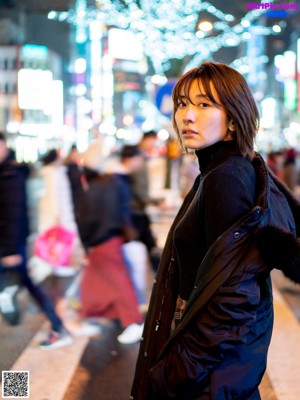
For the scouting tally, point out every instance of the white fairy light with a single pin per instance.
(167, 29)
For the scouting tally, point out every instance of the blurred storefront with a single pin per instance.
(68, 75)
(32, 99)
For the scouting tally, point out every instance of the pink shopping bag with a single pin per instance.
(55, 245)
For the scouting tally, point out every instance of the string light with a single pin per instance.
(168, 30)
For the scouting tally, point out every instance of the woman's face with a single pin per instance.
(200, 122)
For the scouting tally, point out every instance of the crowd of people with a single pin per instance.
(106, 213)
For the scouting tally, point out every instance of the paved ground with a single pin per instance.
(100, 368)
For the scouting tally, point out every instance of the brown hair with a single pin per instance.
(235, 97)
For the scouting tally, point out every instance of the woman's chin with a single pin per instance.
(190, 143)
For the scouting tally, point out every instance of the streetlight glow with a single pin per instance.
(205, 26)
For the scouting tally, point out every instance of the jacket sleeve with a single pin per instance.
(14, 219)
(197, 350)
(125, 204)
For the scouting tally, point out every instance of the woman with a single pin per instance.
(55, 208)
(210, 317)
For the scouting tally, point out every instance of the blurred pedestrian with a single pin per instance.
(142, 199)
(14, 230)
(210, 317)
(189, 172)
(55, 206)
(73, 155)
(102, 212)
(275, 161)
(135, 251)
(289, 169)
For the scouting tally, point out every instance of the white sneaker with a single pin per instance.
(7, 299)
(89, 330)
(9, 307)
(131, 334)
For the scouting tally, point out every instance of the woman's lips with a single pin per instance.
(188, 133)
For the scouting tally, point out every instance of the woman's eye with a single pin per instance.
(203, 105)
(181, 104)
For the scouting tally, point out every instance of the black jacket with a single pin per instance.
(101, 205)
(14, 225)
(219, 349)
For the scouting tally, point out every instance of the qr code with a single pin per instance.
(15, 384)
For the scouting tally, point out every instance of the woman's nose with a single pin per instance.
(189, 115)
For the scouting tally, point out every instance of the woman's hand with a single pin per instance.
(11, 261)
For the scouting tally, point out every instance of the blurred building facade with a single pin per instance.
(34, 81)
(66, 74)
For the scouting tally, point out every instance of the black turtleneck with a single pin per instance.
(227, 193)
(218, 152)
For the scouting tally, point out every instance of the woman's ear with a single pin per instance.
(231, 126)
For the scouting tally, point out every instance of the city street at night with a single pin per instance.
(149, 149)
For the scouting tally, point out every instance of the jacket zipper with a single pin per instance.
(157, 326)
